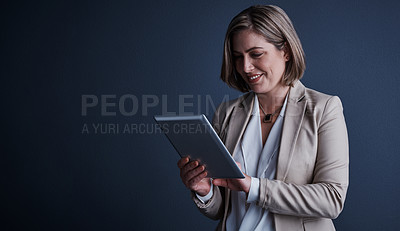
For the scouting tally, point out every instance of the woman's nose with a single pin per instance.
(247, 65)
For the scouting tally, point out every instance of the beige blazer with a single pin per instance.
(312, 169)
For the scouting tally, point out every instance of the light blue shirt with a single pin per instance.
(257, 161)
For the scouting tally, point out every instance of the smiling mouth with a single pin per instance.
(254, 78)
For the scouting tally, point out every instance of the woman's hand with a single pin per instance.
(193, 176)
(235, 184)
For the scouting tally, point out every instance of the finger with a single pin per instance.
(239, 165)
(187, 168)
(193, 173)
(183, 161)
(220, 182)
(195, 180)
(190, 166)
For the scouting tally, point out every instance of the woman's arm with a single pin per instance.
(326, 195)
(214, 207)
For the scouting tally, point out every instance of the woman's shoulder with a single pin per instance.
(242, 101)
(318, 98)
(321, 102)
(225, 109)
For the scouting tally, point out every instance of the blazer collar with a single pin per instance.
(297, 92)
(241, 115)
(291, 125)
(294, 115)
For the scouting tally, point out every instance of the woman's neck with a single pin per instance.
(271, 101)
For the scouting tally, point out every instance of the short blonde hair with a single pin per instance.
(274, 24)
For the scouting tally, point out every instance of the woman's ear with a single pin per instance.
(286, 50)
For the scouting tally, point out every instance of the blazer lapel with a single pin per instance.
(241, 115)
(294, 115)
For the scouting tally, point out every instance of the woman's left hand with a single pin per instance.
(235, 184)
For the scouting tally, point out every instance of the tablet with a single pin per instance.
(194, 136)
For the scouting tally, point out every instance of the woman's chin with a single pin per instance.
(259, 89)
(268, 89)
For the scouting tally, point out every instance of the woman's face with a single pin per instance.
(259, 62)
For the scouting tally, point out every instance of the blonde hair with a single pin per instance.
(274, 24)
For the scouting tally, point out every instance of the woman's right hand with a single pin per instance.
(193, 176)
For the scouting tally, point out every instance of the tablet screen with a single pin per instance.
(194, 136)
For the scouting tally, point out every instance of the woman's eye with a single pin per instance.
(256, 55)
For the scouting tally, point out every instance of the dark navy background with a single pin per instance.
(53, 177)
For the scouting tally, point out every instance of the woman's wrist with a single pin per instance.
(206, 197)
(206, 190)
(247, 184)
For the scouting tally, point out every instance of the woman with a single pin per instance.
(290, 141)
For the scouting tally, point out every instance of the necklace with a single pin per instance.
(268, 117)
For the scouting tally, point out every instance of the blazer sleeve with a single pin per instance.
(325, 196)
(214, 208)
